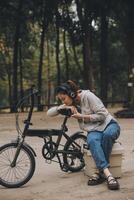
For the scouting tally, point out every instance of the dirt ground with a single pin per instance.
(50, 183)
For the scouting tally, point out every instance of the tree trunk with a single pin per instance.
(21, 73)
(87, 52)
(84, 17)
(76, 59)
(88, 71)
(15, 58)
(10, 91)
(57, 53)
(66, 55)
(104, 56)
(8, 65)
(40, 108)
(48, 76)
(130, 49)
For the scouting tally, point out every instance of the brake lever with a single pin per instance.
(27, 122)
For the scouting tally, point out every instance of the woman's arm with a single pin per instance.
(94, 106)
(99, 112)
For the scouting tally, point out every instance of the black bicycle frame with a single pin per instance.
(44, 133)
(27, 123)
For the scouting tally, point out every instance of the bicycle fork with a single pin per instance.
(20, 143)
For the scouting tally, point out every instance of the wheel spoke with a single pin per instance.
(74, 161)
(22, 171)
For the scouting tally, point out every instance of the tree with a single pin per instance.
(104, 53)
(15, 56)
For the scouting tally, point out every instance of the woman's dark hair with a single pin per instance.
(70, 88)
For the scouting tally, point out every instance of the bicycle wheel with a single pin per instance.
(74, 162)
(22, 172)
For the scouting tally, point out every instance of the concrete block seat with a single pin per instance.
(115, 161)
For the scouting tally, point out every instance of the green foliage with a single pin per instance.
(69, 20)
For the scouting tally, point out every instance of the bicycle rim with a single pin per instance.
(22, 172)
(75, 162)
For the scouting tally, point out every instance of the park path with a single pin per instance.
(50, 183)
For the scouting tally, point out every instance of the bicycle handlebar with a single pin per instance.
(29, 98)
(65, 111)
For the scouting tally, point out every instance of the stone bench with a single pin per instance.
(115, 161)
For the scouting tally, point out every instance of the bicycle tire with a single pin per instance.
(13, 177)
(70, 159)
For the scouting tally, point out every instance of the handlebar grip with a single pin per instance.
(34, 90)
(27, 122)
(65, 111)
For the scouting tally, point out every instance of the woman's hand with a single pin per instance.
(73, 109)
(61, 107)
(77, 115)
(64, 106)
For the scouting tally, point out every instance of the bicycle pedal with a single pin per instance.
(65, 169)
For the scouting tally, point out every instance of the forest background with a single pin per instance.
(46, 42)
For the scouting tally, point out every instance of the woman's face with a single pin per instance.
(65, 99)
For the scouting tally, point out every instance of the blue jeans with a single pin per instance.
(101, 143)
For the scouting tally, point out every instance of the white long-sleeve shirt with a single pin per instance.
(91, 105)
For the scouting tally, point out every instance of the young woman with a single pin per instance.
(102, 129)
